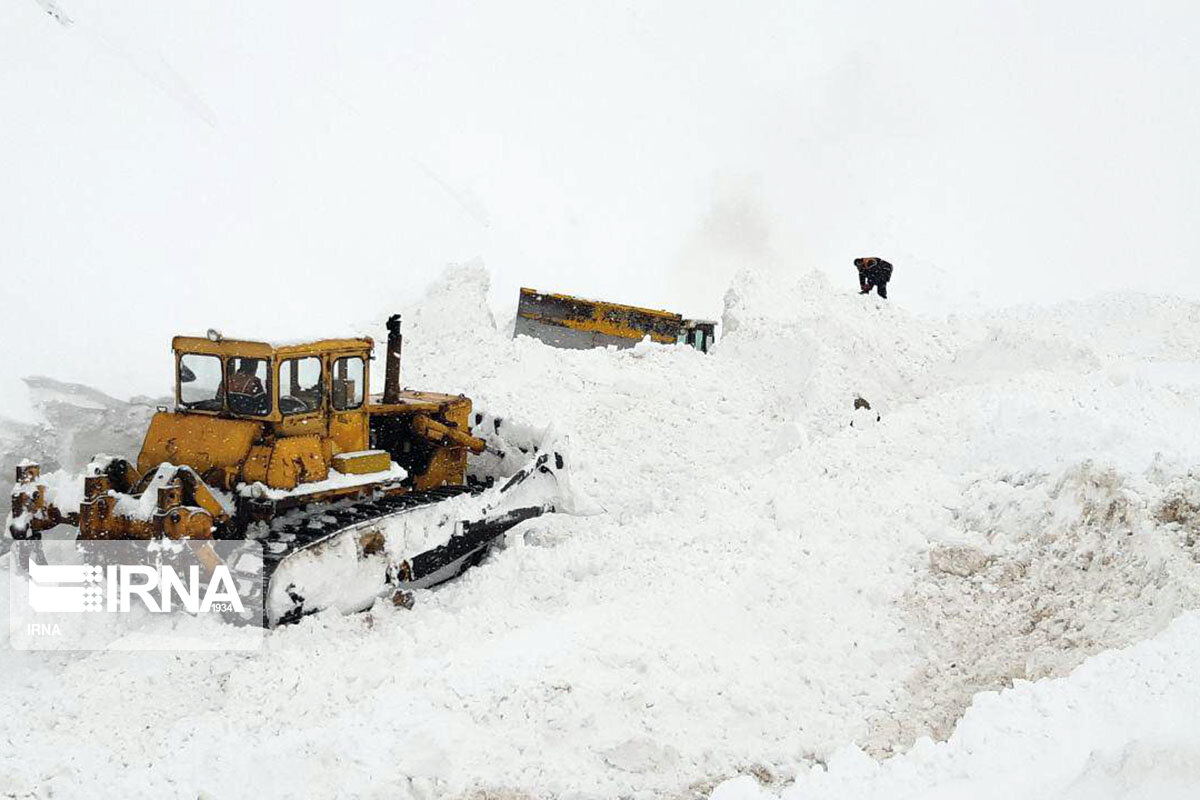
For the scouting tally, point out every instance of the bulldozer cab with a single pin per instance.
(315, 388)
(284, 415)
(258, 381)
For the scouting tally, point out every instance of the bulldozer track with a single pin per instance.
(463, 548)
(325, 522)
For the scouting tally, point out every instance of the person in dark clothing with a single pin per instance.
(246, 392)
(863, 413)
(873, 273)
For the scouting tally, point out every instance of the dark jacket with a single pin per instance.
(872, 272)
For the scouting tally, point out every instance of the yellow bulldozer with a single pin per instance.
(350, 495)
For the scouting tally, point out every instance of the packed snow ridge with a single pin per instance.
(771, 592)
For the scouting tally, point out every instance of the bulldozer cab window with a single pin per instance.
(300, 385)
(249, 386)
(200, 384)
(348, 382)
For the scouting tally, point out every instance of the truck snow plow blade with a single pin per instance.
(577, 323)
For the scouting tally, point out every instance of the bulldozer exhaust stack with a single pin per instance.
(395, 343)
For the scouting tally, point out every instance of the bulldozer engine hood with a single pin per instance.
(198, 441)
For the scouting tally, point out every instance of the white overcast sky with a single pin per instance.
(296, 167)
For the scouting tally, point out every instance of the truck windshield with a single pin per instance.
(200, 384)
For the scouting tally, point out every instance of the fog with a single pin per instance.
(294, 168)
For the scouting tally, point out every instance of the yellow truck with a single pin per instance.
(575, 323)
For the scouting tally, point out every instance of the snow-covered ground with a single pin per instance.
(772, 592)
(1123, 725)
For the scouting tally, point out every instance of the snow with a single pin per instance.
(768, 590)
(334, 576)
(144, 505)
(63, 490)
(75, 423)
(336, 480)
(1122, 725)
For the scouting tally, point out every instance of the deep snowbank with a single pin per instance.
(1122, 725)
(767, 586)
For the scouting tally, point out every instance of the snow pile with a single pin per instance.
(1046, 572)
(76, 422)
(767, 585)
(1123, 725)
